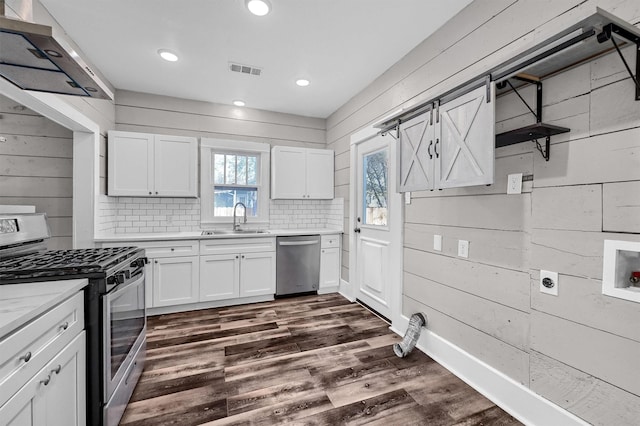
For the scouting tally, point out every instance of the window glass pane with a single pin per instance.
(230, 174)
(252, 170)
(218, 168)
(375, 188)
(241, 170)
(225, 198)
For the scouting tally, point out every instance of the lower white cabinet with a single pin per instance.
(175, 280)
(220, 275)
(231, 275)
(257, 274)
(55, 396)
(329, 263)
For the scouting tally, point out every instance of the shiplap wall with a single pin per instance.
(141, 112)
(36, 167)
(579, 349)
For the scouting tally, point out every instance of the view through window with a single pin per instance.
(236, 179)
(375, 192)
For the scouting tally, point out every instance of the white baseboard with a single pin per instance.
(516, 399)
(345, 290)
(330, 289)
(207, 305)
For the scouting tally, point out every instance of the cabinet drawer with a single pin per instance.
(30, 348)
(328, 241)
(162, 248)
(238, 245)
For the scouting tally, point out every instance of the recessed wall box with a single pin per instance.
(621, 271)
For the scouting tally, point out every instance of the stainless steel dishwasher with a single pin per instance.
(297, 264)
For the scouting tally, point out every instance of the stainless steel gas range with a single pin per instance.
(114, 306)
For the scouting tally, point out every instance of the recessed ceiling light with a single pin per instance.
(167, 55)
(302, 82)
(258, 7)
(239, 103)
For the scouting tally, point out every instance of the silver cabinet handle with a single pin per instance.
(26, 357)
(57, 369)
(46, 381)
(65, 325)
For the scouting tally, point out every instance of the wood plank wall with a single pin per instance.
(578, 349)
(36, 167)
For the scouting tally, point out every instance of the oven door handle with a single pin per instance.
(124, 286)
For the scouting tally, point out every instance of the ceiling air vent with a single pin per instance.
(245, 69)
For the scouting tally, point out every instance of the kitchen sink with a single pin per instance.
(236, 232)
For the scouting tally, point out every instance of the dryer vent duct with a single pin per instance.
(411, 336)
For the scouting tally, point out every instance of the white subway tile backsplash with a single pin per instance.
(136, 214)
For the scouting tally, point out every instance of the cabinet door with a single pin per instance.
(257, 274)
(466, 148)
(175, 281)
(130, 164)
(329, 268)
(288, 173)
(148, 283)
(417, 153)
(175, 164)
(55, 395)
(219, 277)
(319, 173)
(65, 397)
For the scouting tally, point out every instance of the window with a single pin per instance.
(375, 188)
(234, 172)
(235, 180)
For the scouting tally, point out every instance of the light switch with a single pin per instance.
(514, 183)
(407, 197)
(437, 242)
(463, 248)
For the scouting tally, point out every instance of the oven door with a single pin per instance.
(124, 329)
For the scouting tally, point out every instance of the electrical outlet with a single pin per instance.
(514, 183)
(463, 248)
(437, 242)
(549, 282)
(407, 197)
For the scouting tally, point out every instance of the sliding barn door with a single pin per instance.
(465, 149)
(415, 162)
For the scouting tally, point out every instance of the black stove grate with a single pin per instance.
(64, 262)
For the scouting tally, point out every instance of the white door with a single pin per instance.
(130, 164)
(377, 225)
(417, 154)
(288, 165)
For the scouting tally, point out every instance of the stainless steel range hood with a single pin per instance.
(32, 59)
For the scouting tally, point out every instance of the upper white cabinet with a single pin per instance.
(451, 146)
(301, 173)
(142, 164)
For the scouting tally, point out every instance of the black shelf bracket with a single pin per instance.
(607, 34)
(534, 132)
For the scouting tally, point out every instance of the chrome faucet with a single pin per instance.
(236, 226)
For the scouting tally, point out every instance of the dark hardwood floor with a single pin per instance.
(312, 360)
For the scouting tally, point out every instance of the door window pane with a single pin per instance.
(375, 188)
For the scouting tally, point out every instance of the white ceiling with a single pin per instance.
(339, 45)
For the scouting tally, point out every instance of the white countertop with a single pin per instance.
(197, 235)
(21, 303)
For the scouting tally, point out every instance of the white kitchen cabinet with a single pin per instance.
(219, 276)
(55, 395)
(329, 263)
(144, 165)
(301, 173)
(257, 274)
(175, 280)
(451, 146)
(43, 369)
(238, 267)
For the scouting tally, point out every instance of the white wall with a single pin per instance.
(577, 349)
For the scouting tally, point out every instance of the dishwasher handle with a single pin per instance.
(297, 243)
